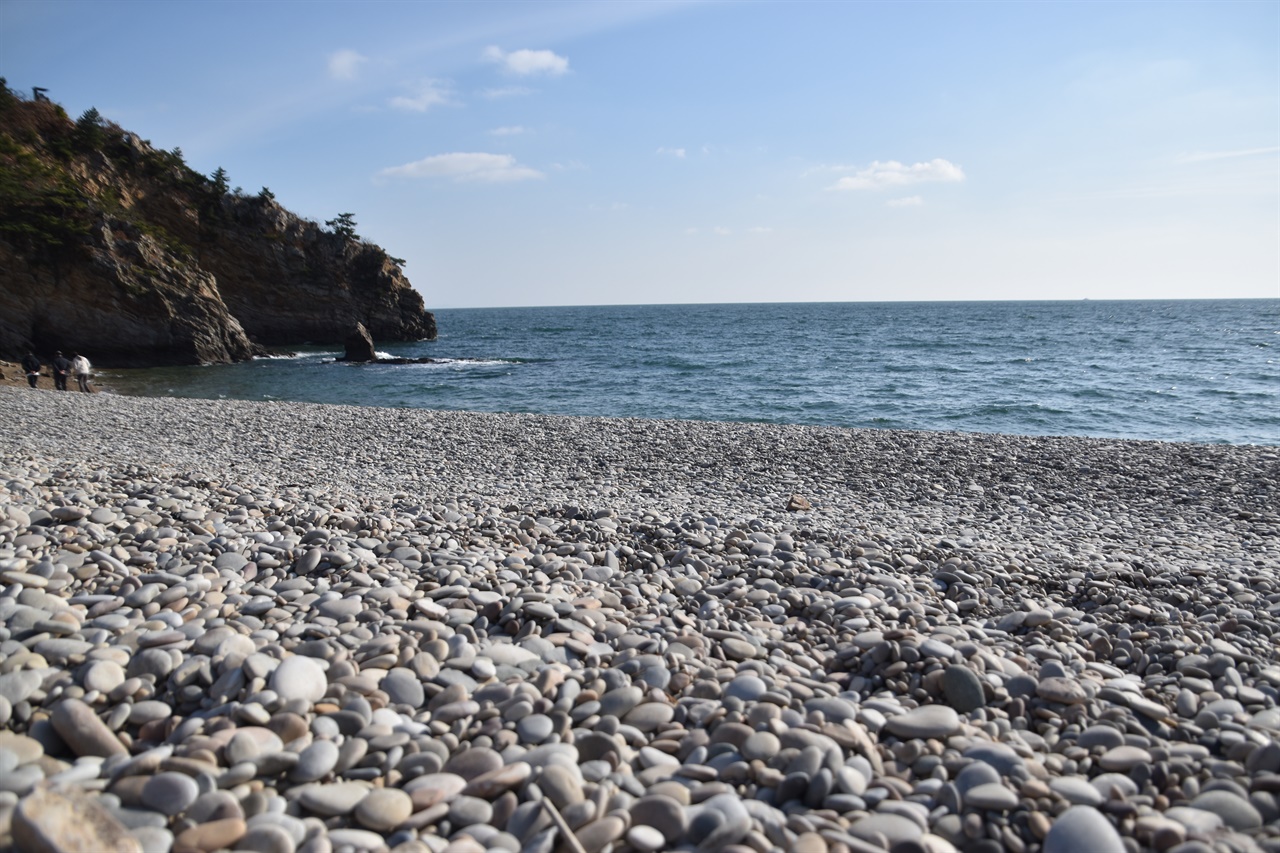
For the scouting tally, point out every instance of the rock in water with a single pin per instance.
(51, 822)
(360, 345)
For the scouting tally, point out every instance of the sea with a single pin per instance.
(1204, 371)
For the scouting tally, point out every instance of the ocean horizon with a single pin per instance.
(1204, 371)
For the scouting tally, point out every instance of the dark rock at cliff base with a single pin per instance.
(360, 346)
(120, 251)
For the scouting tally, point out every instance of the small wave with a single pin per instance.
(286, 356)
(480, 361)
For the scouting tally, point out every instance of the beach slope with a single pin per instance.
(297, 627)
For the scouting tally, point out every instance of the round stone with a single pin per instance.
(1235, 812)
(963, 689)
(469, 811)
(104, 676)
(170, 793)
(299, 678)
(315, 762)
(384, 809)
(761, 745)
(645, 839)
(649, 716)
(1082, 828)
(748, 688)
(535, 728)
(403, 688)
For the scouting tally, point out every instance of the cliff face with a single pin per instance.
(120, 251)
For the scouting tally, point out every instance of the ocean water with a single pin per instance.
(1197, 371)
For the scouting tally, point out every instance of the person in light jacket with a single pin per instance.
(82, 371)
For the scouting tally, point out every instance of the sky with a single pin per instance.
(551, 153)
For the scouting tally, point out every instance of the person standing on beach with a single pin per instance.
(61, 368)
(31, 366)
(80, 368)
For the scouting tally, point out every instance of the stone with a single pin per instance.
(403, 687)
(339, 798)
(991, 795)
(1082, 828)
(962, 688)
(299, 678)
(170, 793)
(384, 809)
(1235, 812)
(927, 721)
(1066, 691)
(79, 727)
(315, 762)
(359, 345)
(210, 836)
(47, 821)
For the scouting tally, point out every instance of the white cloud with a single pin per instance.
(690, 231)
(428, 94)
(525, 63)
(1203, 156)
(890, 173)
(345, 64)
(511, 130)
(909, 201)
(506, 92)
(761, 229)
(678, 153)
(721, 231)
(465, 167)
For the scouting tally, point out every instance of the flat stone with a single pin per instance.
(927, 721)
(1123, 758)
(47, 821)
(340, 798)
(267, 838)
(1076, 790)
(18, 686)
(649, 716)
(79, 727)
(991, 795)
(213, 835)
(1082, 828)
(1066, 691)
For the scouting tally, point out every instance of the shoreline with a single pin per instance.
(681, 634)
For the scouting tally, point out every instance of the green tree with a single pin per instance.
(267, 195)
(220, 182)
(344, 224)
(90, 130)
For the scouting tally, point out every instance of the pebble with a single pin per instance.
(682, 635)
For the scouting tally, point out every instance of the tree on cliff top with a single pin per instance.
(344, 225)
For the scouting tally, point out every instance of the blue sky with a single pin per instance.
(592, 153)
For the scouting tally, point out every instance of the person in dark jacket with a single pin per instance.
(31, 367)
(61, 370)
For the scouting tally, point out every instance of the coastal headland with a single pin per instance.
(289, 627)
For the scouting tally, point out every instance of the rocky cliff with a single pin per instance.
(118, 250)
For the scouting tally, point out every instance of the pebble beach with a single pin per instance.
(295, 628)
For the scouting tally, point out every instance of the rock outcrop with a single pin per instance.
(118, 250)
